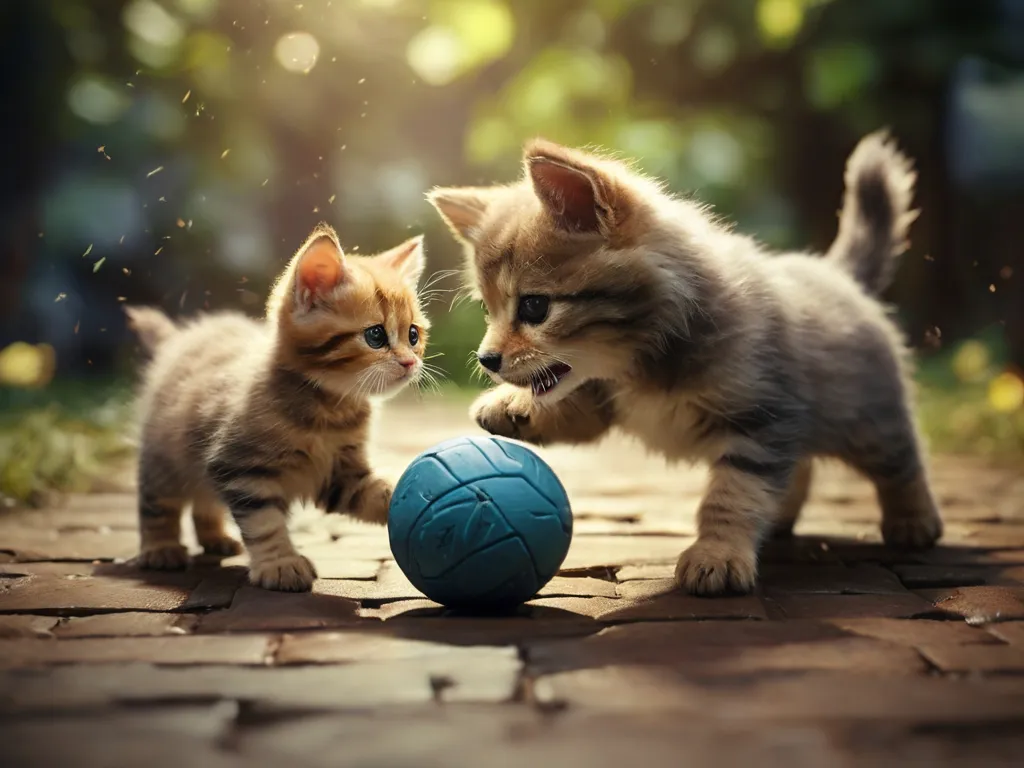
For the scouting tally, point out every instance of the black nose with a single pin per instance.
(491, 361)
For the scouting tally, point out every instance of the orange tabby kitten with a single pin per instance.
(248, 416)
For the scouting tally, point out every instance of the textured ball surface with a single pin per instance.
(479, 522)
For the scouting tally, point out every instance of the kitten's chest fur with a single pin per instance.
(672, 425)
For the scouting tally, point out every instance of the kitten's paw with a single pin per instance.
(913, 532)
(293, 573)
(222, 546)
(503, 411)
(162, 557)
(373, 500)
(715, 567)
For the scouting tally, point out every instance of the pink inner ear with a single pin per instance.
(567, 192)
(319, 270)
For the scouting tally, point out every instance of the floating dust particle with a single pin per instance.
(1006, 273)
(180, 223)
(98, 264)
(992, 288)
(224, 154)
(121, 241)
(60, 297)
(264, 182)
(929, 257)
(157, 251)
(154, 172)
(103, 151)
(316, 209)
(87, 251)
(331, 199)
(185, 98)
(126, 270)
(77, 325)
(162, 199)
(103, 330)
(121, 298)
(360, 81)
(181, 301)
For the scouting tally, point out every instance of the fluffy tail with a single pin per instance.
(876, 212)
(152, 326)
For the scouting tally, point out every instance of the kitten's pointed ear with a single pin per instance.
(579, 194)
(462, 208)
(408, 259)
(319, 268)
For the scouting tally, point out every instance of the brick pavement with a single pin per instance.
(848, 654)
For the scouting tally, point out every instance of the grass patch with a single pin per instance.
(63, 439)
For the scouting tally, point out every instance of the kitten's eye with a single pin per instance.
(414, 335)
(533, 309)
(376, 336)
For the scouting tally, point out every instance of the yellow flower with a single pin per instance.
(1006, 392)
(25, 365)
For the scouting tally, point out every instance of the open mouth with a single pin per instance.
(546, 379)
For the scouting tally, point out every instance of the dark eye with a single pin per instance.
(414, 335)
(376, 336)
(533, 309)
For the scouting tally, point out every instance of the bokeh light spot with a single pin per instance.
(297, 52)
(970, 361)
(1006, 392)
(97, 101)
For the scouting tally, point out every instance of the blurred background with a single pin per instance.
(176, 152)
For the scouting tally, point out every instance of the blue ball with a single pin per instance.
(479, 523)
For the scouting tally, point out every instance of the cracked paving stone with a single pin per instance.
(611, 551)
(155, 737)
(478, 674)
(838, 579)
(15, 626)
(131, 624)
(660, 600)
(30, 544)
(916, 632)
(254, 610)
(975, 658)
(897, 606)
(672, 643)
(932, 576)
(184, 650)
(347, 647)
(1011, 632)
(134, 591)
(979, 605)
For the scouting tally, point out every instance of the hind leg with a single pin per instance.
(793, 501)
(160, 532)
(892, 460)
(209, 517)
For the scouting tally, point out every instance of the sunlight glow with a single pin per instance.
(297, 52)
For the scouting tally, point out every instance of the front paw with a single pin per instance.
(716, 567)
(504, 411)
(292, 573)
(372, 500)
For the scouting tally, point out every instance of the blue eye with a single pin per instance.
(376, 337)
(414, 335)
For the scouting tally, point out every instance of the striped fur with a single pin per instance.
(667, 325)
(249, 416)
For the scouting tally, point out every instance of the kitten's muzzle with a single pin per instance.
(491, 361)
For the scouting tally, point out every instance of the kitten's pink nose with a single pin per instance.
(407, 362)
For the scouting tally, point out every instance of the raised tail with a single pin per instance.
(152, 326)
(876, 212)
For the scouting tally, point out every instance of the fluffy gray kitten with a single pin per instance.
(614, 303)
